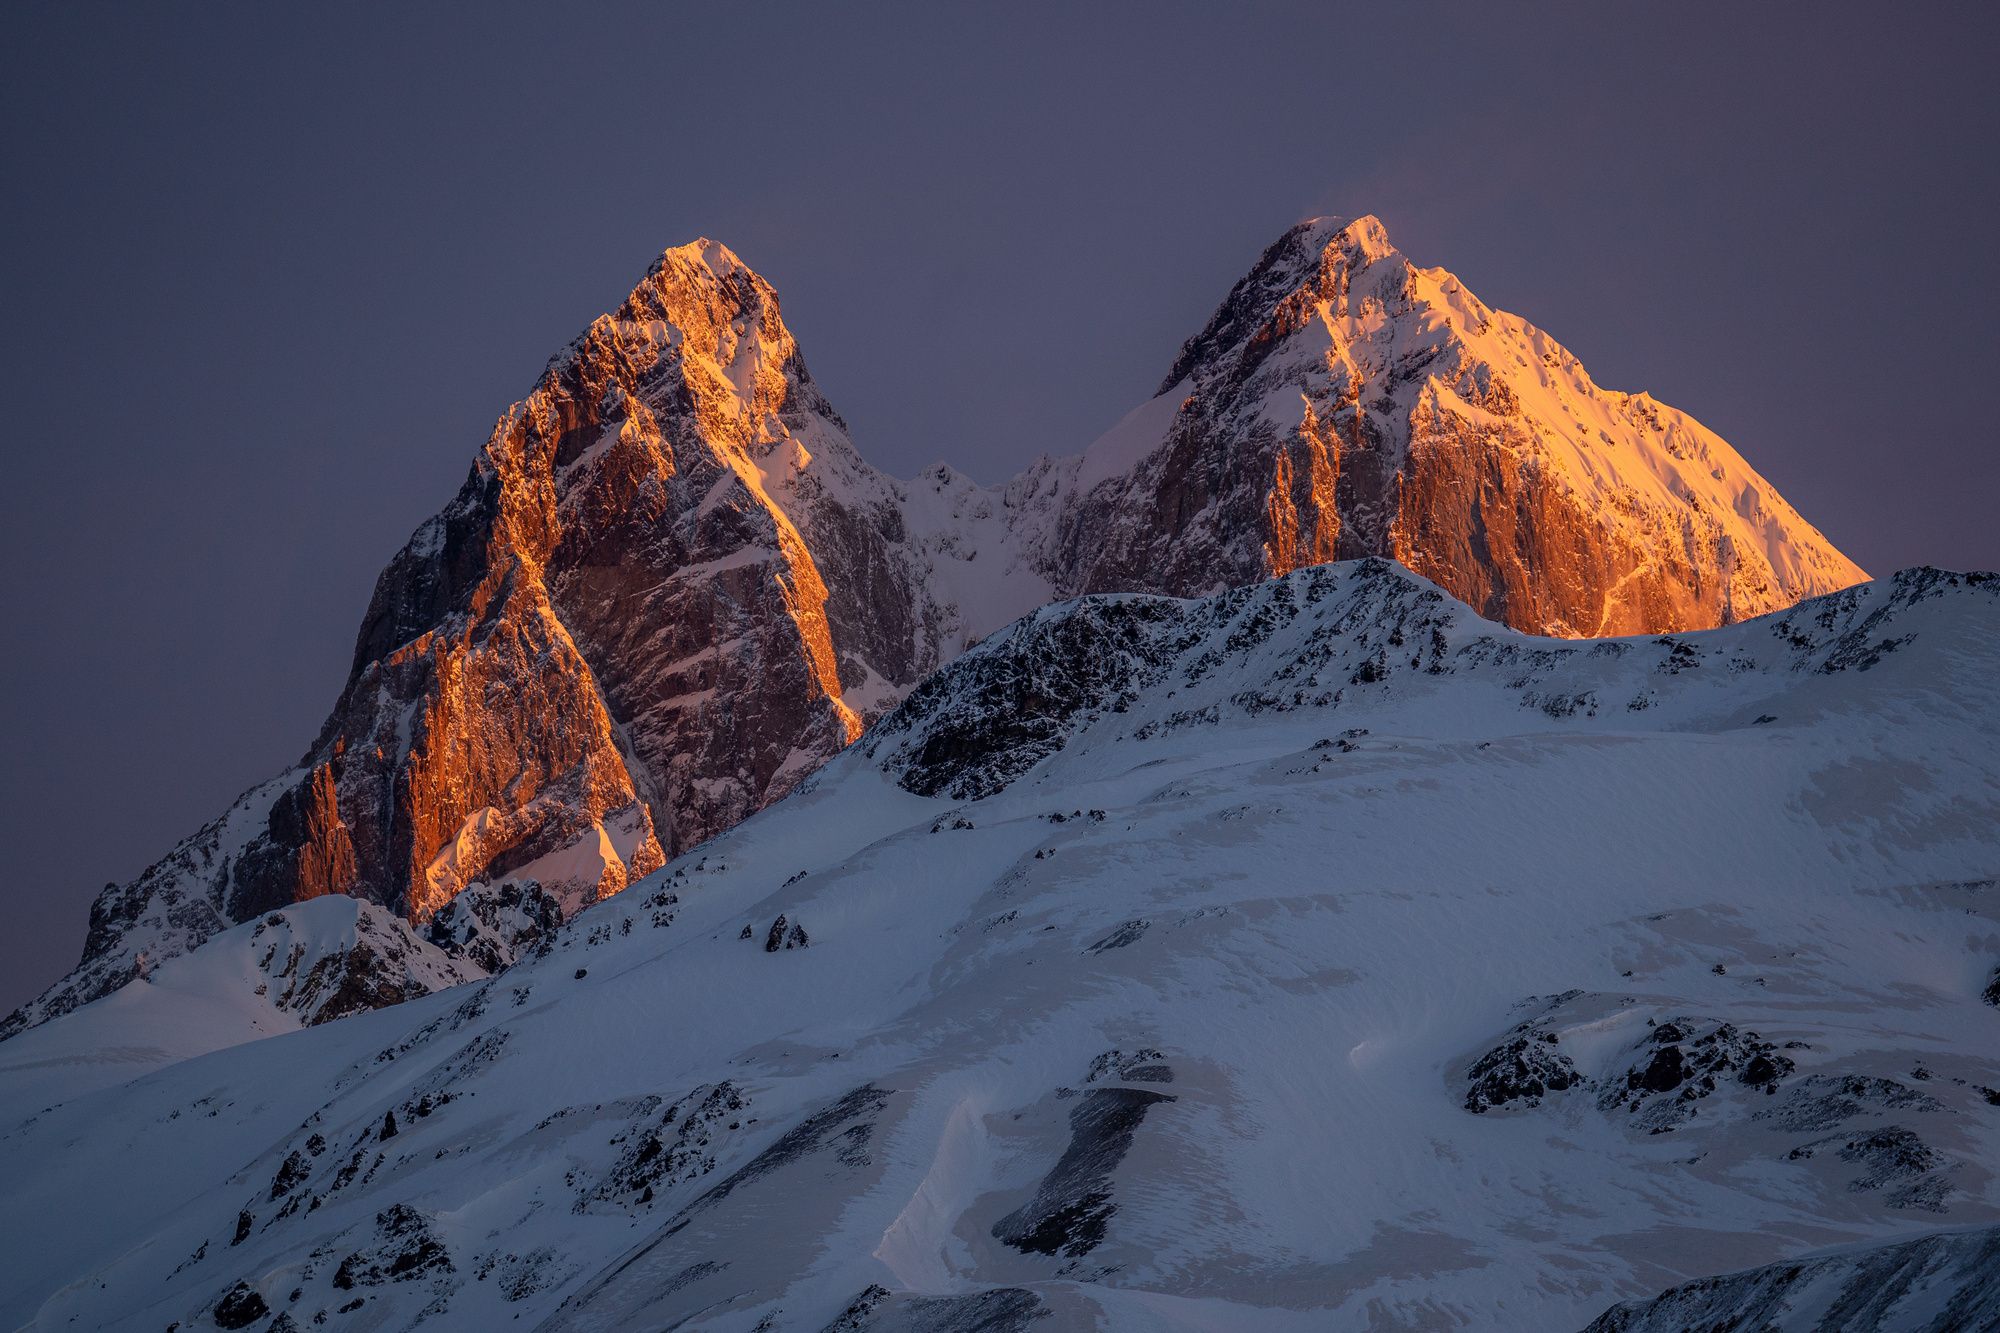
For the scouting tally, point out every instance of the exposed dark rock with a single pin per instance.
(856, 1316)
(291, 1173)
(492, 926)
(1826, 1101)
(1072, 1206)
(1012, 703)
(1128, 933)
(1685, 1060)
(1525, 1068)
(676, 1147)
(241, 1307)
(995, 1310)
(1894, 1159)
(519, 1276)
(1145, 1065)
(405, 1248)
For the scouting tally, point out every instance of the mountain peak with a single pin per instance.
(1364, 235)
(703, 283)
(701, 253)
(1344, 402)
(702, 290)
(1302, 257)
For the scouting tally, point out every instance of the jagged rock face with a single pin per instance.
(647, 622)
(670, 587)
(490, 926)
(1344, 402)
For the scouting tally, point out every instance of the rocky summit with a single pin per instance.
(1344, 402)
(671, 588)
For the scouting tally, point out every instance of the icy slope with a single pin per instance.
(1313, 956)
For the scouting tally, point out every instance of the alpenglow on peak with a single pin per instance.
(672, 587)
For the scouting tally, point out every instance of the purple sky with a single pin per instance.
(271, 274)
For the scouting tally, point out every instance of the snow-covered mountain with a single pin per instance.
(1344, 402)
(668, 590)
(1313, 955)
(671, 587)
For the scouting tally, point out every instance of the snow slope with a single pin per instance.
(311, 963)
(1315, 955)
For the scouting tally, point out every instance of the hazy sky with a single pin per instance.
(271, 273)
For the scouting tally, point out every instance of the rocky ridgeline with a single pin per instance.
(1941, 1282)
(1349, 638)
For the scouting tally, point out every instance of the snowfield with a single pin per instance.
(1315, 955)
